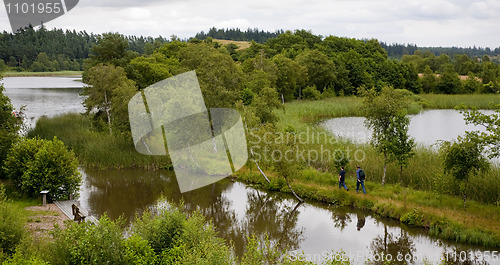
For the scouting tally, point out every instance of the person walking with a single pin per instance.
(360, 174)
(342, 179)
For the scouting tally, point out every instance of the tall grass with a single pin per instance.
(95, 148)
(480, 101)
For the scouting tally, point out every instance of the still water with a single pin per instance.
(427, 127)
(237, 210)
(44, 96)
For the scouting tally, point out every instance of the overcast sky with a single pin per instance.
(422, 22)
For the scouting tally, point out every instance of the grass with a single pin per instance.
(241, 44)
(480, 101)
(93, 147)
(58, 73)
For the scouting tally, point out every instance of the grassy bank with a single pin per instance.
(58, 73)
(93, 147)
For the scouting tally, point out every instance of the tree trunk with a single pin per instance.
(465, 193)
(385, 169)
(108, 114)
(401, 175)
(261, 172)
(293, 192)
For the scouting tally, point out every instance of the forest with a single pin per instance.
(42, 50)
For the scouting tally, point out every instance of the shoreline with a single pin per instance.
(43, 74)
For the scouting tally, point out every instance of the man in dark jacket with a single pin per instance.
(342, 179)
(360, 179)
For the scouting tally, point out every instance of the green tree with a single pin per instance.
(400, 145)
(219, 76)
(3, 66)
(109, 91)
(10, 125)
(462, 158)
(472, 84)
(449, 82)
(320, 69)
(429, 80)
(491, 123)
(149, 70)
(34, 165)
(111, 48)
(291, 76)
(382, 111)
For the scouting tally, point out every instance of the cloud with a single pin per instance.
(423, 22)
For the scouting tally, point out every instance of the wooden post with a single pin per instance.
(44, 196)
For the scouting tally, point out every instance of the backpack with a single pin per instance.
(361, 175)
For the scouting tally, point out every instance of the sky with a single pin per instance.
(462, 23)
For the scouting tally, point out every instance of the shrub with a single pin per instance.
(138, 251)
(10, 126)
(87, 243)
(12, 223)
(35, 165)
(19, 259)
(311, 92)
(181, 239)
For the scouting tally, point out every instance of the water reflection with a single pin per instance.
(238, 211)
(341, 219)
(396, 247)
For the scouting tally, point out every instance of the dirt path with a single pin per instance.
(43, 218)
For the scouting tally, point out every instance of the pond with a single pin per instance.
(428, 127)
(236, 209)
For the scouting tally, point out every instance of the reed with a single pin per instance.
(94, 148)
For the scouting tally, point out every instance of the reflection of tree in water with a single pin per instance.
(341, 218)
(128, 192)
(212, 203)
(270, 215)
(125, 192)
(463, 256)
(393, 245)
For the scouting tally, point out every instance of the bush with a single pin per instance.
(181, 239)
(10, 126)
(19, 259)
(138, 251)
(35, 165)
(311, 92)
(12, 222)
(87, 243)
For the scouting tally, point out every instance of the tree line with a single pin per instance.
(42, 50)
(396, 50)
(237, 34)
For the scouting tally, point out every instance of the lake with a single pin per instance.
(428, 127)
(236, 209)
(44, 96)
